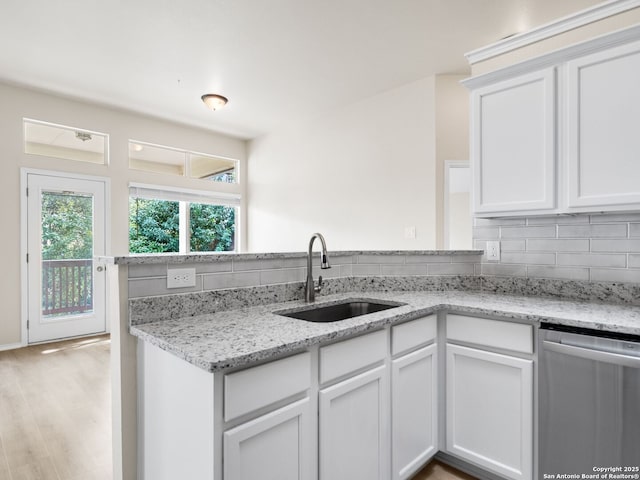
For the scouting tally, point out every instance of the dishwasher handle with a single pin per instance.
(597, 355)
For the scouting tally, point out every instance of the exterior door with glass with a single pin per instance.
(65, 231)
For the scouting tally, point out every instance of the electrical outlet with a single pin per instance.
(181, 277)
(493, 251)
(410, 232)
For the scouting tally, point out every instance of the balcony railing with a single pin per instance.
(67, 286)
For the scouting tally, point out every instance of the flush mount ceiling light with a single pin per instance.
(213, 101)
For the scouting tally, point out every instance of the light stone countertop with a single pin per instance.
(173, 258)
(244, 336)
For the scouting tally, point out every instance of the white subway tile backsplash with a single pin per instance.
(416, 269)
(246, 265)
(338, 259)
(615, 245)
(361, 270)
(592, 260)
(148, 270)
(545, 231)
(558, 220)
(286, 275)
(513, 245)
(299, 262)
(334, 272)
(388, 259)
(529, 258)
(450, 269)
(551, 245)
(216, 281)
(149, 287)
(503, 270)
(568, 273)
(211, 267)
(614, 275)
(346, 270)
(488, 233)
(615, 217)
(463, 258)
(589, 247)
(592, 231)
(432, 258)
(488, 222)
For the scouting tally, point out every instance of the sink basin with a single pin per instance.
(339, 311)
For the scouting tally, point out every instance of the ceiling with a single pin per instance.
(278, 61)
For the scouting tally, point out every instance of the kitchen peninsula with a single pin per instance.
(221, 367)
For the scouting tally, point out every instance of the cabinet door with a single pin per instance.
(513, 144)
(490, 410)
(275, 446)
(603, 139)
(354, 433)
(414, 411)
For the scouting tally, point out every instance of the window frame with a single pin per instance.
(41, 123)
(185, 197)
(188, 156)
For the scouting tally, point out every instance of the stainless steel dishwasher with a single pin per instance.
(589, 403)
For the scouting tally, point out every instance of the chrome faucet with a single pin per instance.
(310, 289)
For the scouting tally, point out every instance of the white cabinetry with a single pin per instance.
(414, 396)
(354, 413)
(489, 407)
(557, 134)
(362, 408)
(603, 139)
(353, 428)
(275, 446)
(514, 144)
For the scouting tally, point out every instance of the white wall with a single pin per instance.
(452, 136)
(121, 126)
(359, 175)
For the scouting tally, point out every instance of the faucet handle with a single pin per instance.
(319, 287)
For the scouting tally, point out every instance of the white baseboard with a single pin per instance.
(10, 346)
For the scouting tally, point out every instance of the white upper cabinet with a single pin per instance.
(558, 133)
(514, 144)
(603, 136)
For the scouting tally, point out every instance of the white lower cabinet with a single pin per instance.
(414, 411)
(489, 410)
(275, 446)
(353, 428)
(365, 408)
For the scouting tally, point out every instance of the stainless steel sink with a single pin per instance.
(339, 311)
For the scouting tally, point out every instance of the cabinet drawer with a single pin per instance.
(351, 355)
(407, 336)
(257, 387)
(491, 333)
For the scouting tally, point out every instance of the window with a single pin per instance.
(183, 163)
(58, 141)
(164, 219)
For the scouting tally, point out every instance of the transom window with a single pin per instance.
(69, 143)
(183, 163)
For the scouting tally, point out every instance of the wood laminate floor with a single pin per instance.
(55, 414)
(439, 471)
(55, 411)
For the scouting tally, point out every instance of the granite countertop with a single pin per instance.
(155, 258)
(244, 336)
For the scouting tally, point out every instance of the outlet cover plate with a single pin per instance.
(181, 277)
(493, 251)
